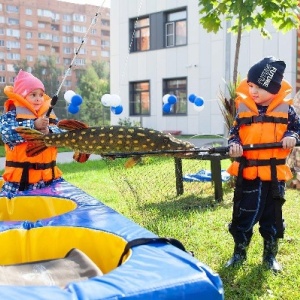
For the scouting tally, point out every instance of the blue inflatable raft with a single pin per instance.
(44, 225)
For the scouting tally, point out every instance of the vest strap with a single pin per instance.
(262, 162)
(26, 166)
(262, 119)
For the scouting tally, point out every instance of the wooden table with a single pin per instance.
(215, 164)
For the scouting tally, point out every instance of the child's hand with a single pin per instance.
(42, 124)
(235, 150)
(288, 142)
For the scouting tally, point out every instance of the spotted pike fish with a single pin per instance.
(107, 141)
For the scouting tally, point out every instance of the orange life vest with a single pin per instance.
(255, 129)
(19, 167)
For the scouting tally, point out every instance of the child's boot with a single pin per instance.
(238, 257)
(269, 255)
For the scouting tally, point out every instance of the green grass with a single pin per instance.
(196, 220)
(146, 194)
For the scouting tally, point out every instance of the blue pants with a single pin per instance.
(256, 204)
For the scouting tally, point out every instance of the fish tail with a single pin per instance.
(35, 140)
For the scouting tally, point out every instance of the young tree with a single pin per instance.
(91, 88)
(247, 15)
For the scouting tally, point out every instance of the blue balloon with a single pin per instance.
(167, 108)
(192, 98)
(117, 109)
(199, 101)
(172, 99)
(73, 109)
(76, 100)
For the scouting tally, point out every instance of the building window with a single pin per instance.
(2, 19)
(105, 22)
(175, 29)
(12, 8)
(140, 34)
(41, 25)
(2, 79)
(67, 18)
(42, 48)
(67, 61)
(2, 67)
(12, 21)
(29, 35)
(13, 56)
(105, 53)
(139, 98)
(177, 87)
(80, 61)
(105, 33)
(67, 29)
(78, 18)
(2, 44)
(77, 28)
(13, 32)
(28, 11)
(104, 44)
(28, 23)
(67, 50)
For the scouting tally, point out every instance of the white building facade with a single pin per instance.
(158, 47)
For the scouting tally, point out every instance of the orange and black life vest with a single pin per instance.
(257, 129)
(19, 167)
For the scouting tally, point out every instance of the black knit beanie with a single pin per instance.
(267, 74)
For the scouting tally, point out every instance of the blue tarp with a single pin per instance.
(204, 175)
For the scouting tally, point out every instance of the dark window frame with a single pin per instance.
(137, 96)
(140, 34)
(180, 93)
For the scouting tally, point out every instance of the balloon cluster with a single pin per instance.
(168, 101)
(74, 101)
(197, 101)
(114, 101)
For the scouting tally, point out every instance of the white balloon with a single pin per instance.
(115, 100)
(165, 98)
(106, 99)
(198, 108)
(68, 95)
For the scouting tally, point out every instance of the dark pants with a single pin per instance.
(255, 205)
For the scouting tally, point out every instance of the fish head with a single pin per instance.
(171, 143)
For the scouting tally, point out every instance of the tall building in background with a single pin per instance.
(33, 30)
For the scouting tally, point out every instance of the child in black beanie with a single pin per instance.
(263, 116)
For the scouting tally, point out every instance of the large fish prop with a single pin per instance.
(107, 141)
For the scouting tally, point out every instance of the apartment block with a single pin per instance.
(36, 29)
(160, 48)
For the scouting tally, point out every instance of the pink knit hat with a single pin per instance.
(26, 83)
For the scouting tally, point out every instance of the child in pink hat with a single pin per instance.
(27, 106)
(32, 89)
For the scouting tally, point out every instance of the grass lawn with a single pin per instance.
(146, 194)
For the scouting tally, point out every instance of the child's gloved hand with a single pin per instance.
(288, 142)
